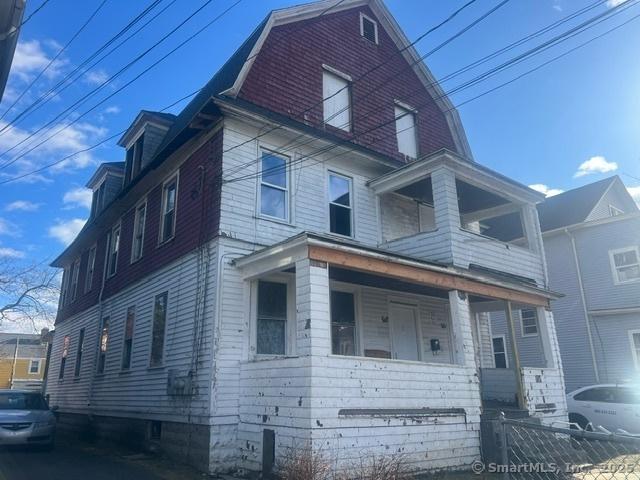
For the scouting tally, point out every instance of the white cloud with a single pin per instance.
(96, 77)
(9, 229)
(78, 197)
(66, 230)
(30, 58)
(615, 3)
(597, 164)
(542, 188)
(635, 193)
(113, 109)
(23, 206)
(6, 252)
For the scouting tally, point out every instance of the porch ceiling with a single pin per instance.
(381, 263)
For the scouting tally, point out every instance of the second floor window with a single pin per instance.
(529, 322)
(625, 264)
(75, 274)
(34, 367)
(138, 232)
(336, 103)
(79, 353)
(274, 186)
(114, 248)
(104, 343)
(169, 210)
(340, 205)
(406, 131)
(91, 265)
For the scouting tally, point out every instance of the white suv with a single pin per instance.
(613, 407)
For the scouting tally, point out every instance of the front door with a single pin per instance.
(404, 334)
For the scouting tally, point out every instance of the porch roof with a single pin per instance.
(473, 173)
(355, 256)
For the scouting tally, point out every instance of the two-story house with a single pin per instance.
(22, 361)
(300, 259)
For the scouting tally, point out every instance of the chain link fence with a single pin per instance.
(533, 451)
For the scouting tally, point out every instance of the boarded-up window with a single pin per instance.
(343, 323)
(76, 371)
(406, 131)
(158, 330)
(336, 92)
(500, 352)
(128, 338)
(271, 318)
(104, 343)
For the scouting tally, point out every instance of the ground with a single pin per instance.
(68, 462)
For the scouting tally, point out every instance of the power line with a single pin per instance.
(92, 147)
(56, 56)
(34, 12)
(348, 141)
(80, 101)
(48, 95)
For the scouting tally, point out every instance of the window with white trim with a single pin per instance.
(91, 265)
(625, 264)
(159, 329)
(65, 353)
(271, 318)
(138, 232)
(634, 338)
(274, 186)
(74, 279)
(114, 248)
(340, 205)
(368, 28)
(127, 347)
(336, 94)
(34, 366)
(406, 131)
(500, 352)
(529, 319)
(615, 211)
(104, 344)
(169, 194)
(79, 353)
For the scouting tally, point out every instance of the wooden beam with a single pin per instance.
(423, 276)
(516, 355)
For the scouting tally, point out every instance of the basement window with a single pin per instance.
(368, 28)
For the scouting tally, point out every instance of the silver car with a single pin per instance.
(26, 419)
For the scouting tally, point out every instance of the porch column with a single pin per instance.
(516, 355)
(445, 199)
(313, 319)
(549, 339)
(462, 329)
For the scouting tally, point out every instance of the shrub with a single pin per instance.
(304, 464)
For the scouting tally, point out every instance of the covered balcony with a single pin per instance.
(446, 209)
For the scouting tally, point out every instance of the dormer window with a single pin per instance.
(368, 28)
(98, 199)
(137, 155)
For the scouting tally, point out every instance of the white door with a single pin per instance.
(404, 334)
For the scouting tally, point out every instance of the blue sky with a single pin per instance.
(581, 110)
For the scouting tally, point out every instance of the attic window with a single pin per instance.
(368, 28)
(137, 155)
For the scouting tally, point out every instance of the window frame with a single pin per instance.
(287, 190)
(173, 178)
(136, 217)
(635, 352)
(79, 352)
(290, 325)
(522, 326)
(397, 104)
(358, 322)
(131, 309)
(505, 352)
(614, 268)
(105, 324)
(375, 28)
(326, 69)
(118, 228)
(159, 364)
(75, 279)
(31, 360)
(329, 173)
(615, 211)
(66, 343)
(63, 287)
(91, 267)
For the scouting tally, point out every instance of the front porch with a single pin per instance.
(354, 350)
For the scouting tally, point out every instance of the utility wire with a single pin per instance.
(49, 94)
(518, 59)
(106, 82)
(56, 56)
(34, 12)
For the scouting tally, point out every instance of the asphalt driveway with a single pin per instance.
(88, 463)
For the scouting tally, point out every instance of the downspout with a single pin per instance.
(584, 304)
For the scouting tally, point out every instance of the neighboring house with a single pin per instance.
(11, 13)
(592, 243)
(22, 361)
(299, 258)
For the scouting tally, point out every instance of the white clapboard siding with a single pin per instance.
(140, 392)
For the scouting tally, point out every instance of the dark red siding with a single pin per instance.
(287, 77)
(197, 219)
